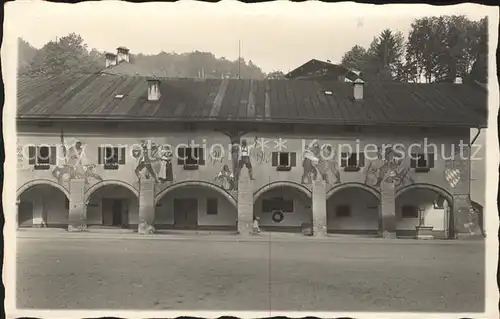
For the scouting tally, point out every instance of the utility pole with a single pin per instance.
(239, 59)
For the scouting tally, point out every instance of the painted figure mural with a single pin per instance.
(75, 166)
(145, 156)
(327, 164)
(392, 169)
(244, 158)
(225, 179)
(150, 156)
(310, 161)
(166, 175)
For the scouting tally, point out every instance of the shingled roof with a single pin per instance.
(104, 96)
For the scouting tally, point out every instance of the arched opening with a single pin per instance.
(42, 205)
(424, 206)
(112, 205)
(285, 207)
(195, 206)
(353, 209)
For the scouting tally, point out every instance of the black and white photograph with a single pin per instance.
(251, 160)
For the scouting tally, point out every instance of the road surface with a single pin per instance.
(202, 274)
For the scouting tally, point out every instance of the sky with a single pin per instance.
(276, 35)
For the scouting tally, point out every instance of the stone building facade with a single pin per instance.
(119, 150)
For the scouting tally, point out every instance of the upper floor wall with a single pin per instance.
(295, 154)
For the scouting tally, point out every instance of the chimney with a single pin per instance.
(154, 93)
(358, 89)
(110, 59)
(458, 80)
(123, 54)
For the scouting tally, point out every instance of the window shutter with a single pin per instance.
(361, 159)
(100, 155)
(53, 155)
(343, 159)
(274, 160)
(32, 155)
(413, 161)
(121, 158)
(430, 160)
(293, 159)
(201, 155)
(181, 153)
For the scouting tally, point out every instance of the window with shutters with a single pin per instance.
(284, 161)
(111, 156)
(352, 162)
(422, 162)
(190, 157)
(42, 156)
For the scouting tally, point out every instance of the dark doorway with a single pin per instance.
(117, 212)
(185, 213)
(25, 214)
(112, 212)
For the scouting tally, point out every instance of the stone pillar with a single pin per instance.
(387, 210)
(245, 205)
(465, 222)
(319, 208)
(17, 213)
(77, 220)
(146, 206)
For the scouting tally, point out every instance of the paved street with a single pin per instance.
(204, 274)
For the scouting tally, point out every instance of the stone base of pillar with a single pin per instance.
(77, 228)
(388, 235)
(474, 236)
(146, 229)
(424, 232)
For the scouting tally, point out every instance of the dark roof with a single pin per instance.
(93, 97)
(321, 69)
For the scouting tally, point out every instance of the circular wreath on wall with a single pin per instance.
(278, 216)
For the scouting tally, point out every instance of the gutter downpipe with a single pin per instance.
(470, 153)
(470, 164)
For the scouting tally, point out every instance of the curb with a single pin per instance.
(277, 238)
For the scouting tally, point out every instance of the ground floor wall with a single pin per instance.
(353, 210)
(292, 208)
(285, 206)
(195, 208)
(43, 206)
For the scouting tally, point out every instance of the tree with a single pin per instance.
(381, 60)
(387, 50)
(276, 75)
(479, 68)
(351, 57)
(26, 53)
(68, 53)
(445, 47)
